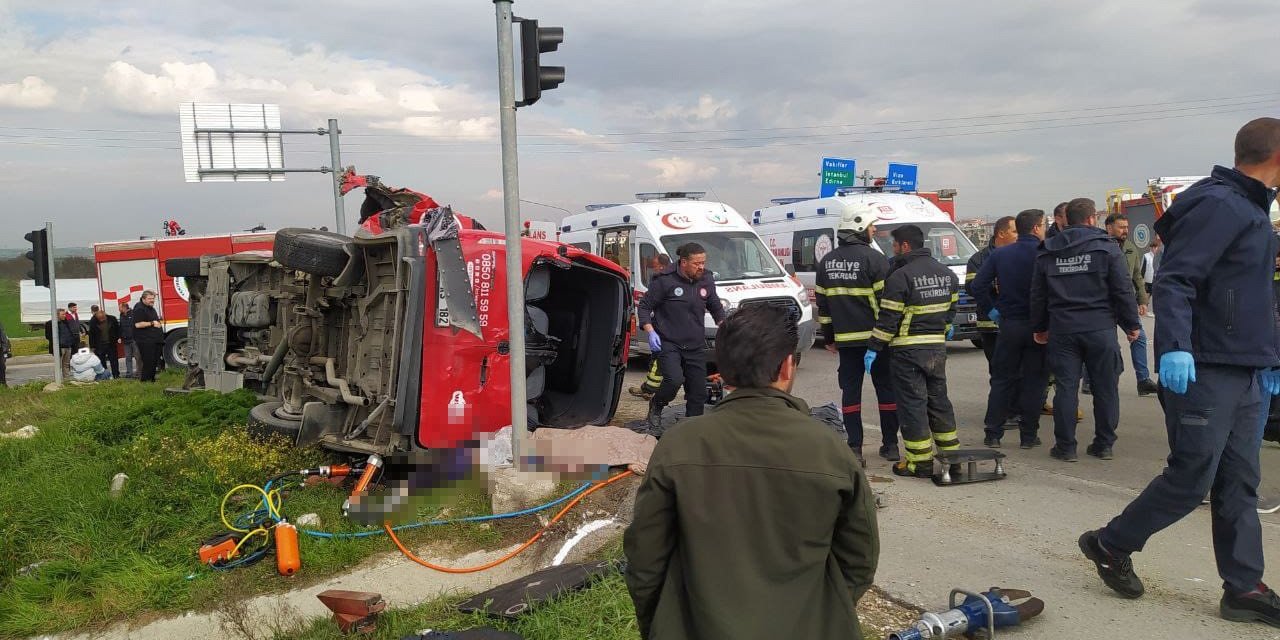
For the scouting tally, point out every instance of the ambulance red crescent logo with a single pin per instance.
(677, 220)
(703, 292)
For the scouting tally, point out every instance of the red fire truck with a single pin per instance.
(127, 268)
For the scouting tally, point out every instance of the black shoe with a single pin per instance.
(1027, 444)
(655, 417)
(921, 470)
(1115, 570)
(1147, 387)
(993, 443)
(1099, 451)
(890, 453)
(1086, 388)
(1260, 605)
(1059, 454)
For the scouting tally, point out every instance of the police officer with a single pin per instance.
(672, 311)
(1003, 234)
(916, 310)
(1080, 291)
(1216, 340)
(848, 285)
(1018, 368)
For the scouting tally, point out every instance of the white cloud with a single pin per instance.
(436, 126)
(136, 90)
(492, 195)
(31, 93)
(707, 109)
(677, 171)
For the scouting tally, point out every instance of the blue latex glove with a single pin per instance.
(951, 331)
(994, 315)
(655, 343)
(1177, 368)
(1270, 381)
(869, 359)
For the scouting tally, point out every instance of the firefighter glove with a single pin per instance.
(994, 315)
(868, 360)
(655, 343)
(1270, 381)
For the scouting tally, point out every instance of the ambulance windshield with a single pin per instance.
(943, 240)
(731, 255)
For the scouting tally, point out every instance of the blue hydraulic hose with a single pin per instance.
(415, 525)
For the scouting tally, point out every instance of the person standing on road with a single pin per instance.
(848, 283)
(148, 335)
(126, 339)
(652, 379)
(1059, 220)
(6, 351)
(1004, 234)
(1081, 289)
(1217, 345)
(1150, 260)
(672, 312)
(104, 338)
(1018, 373)
(757, 463)
(916, 310)
(67, 341)
(73, 322)
(1118, 228)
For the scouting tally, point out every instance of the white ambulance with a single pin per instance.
(799, 231)
(642, 235)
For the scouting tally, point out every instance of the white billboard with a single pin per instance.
(231, 142)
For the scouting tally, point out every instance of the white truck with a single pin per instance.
(638, 236)
(799, 231)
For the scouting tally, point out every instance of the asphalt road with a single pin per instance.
(24, 369)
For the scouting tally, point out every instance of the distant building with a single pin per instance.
(978, 231)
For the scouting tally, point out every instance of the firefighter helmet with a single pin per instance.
(857, 216)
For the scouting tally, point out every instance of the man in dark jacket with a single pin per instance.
(126, 339)
(1080, 291)
(672, 312)
(848, 284)
(1018, 370)
(148, 333)
(1059, 220)
(791, 547)
(5, 352)
(1216, 340)
(104, 338)
(66, 340)
(916, 310)
(1003, 234)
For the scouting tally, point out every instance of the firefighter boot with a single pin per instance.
(907, 469)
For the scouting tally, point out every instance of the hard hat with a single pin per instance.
(857, 216)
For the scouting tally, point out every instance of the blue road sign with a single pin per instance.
(902, 176)
(837, 173)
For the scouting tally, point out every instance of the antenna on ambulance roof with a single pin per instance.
(670, 195)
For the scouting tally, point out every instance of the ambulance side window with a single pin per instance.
(808, 248)
(585, 246)
(615, 245)
(651, 263)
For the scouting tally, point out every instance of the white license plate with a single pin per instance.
(968, 318)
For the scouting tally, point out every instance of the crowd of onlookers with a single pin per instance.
(92, 350)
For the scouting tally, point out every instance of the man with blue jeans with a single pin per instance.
(1118, 228)
(1217, 346)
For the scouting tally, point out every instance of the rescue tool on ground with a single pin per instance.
(987, 612)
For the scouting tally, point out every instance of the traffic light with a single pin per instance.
(39, 256)
(535, 41)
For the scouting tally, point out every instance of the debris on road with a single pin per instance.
(117, 484)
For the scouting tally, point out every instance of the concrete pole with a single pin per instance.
(335, 158)
(53, 306)
(511, 209)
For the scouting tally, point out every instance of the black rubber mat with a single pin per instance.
(520, 596)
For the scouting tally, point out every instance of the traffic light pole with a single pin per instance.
(53, 306)
(511, 211)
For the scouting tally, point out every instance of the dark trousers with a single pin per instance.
(682, 368)
(1069, 354)
(1018, 379)
(1213, 449)
(924, 410)
(988, 340)
(851, 373)
(149, 354)
(107, 354)
(2, 368)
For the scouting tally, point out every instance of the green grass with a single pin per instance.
(10, 312)
(105, 559)
(28, 346)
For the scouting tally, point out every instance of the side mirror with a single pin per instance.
(789, 268)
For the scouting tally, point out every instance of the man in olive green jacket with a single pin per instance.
(754, 520)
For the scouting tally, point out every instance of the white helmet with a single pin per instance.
(857, 216)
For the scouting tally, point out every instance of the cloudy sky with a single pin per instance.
(1015, 104)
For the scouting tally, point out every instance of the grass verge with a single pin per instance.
(73, 557)
(28, 346)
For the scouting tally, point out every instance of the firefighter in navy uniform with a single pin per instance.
(1003, 233)
(1081, 290)
(848, 285)
(1218, 351)
(916, 310)
(672, 312)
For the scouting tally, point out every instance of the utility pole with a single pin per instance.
(335, 156)
(53, 306)
(511, 218)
